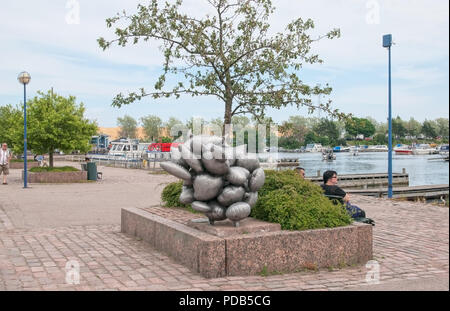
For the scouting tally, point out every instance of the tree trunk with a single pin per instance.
(50, 158)
(227, 118)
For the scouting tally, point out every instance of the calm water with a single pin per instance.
(421, 171)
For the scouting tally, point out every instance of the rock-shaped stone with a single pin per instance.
(191, 159)
(237, 175)
(257, 180)
(215, 167)
(176, 170)
(175, 157)
(201, 207)
(249, 163)
(198, 141)
(187, 195)
(230, 195)
(251, 198)
(217, 212)
(207, 187)
(238, 211)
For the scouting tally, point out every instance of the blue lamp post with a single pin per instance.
(387, 43)
(24, 78)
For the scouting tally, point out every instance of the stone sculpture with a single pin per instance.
(218, 180)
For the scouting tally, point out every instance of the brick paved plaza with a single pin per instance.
(44, 227)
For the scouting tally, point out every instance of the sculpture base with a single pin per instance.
(235, 254)
(226, 228)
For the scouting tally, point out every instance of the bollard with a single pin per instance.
(404, 170)
(318, 173)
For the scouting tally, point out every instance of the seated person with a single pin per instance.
(335, 193)
(300, 171)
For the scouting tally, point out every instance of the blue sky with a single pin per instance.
(37, 37)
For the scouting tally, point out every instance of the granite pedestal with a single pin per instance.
(256, 246)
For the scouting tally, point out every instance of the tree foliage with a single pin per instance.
(151, 125)
(11, 127)
(56, 122)
(128, 126)
(430, 128)
(357, 126)
(229, 55)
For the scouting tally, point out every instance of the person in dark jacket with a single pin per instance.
(335, 193)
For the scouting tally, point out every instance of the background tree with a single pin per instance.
(442, 127)
(170, 124)
(413, 127)
(430, 129)
(359, 126)
(398, 127)
(229, 55)
(295, 128)
(56, 122)
(151, 125)
(328, 131)
(11, 127)
(128, 126)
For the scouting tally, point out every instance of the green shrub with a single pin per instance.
(296, 204)
(54, 169)
(171, 194)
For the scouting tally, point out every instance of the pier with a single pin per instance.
(426, 193)
(365, 181)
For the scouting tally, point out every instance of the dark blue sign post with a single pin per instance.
(24, 78)
(387, 43)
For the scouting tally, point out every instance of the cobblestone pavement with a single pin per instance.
(411, 242)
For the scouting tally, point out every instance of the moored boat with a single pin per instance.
(403, 149)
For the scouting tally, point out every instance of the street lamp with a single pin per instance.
(24, 78)
(387, 43)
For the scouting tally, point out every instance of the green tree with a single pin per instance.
(359, 126)
(442, 125)
(11, 127)
(151, 125)
(56, 122)
(128, 126)
(296, 128)
(430, 129)
(413, 127)
(327, 130)
(229, 55)
(398, 127)
(171, 125)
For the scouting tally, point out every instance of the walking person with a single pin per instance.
(5, 157)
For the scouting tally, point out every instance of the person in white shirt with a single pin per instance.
(5, 157)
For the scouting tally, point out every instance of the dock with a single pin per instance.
(365, 181)
(416, 193)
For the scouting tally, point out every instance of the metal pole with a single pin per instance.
(390, 133)
(25, 174)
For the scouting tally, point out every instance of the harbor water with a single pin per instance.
(422, 169)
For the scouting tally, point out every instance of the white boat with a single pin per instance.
(128, 148)
(314, 148)
(377, 148)
(422, 149)
(403, 149)
(444, 150)
(328, 155)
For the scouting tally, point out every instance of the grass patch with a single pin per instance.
(158, 173)
(54, 169)
(20, 161)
